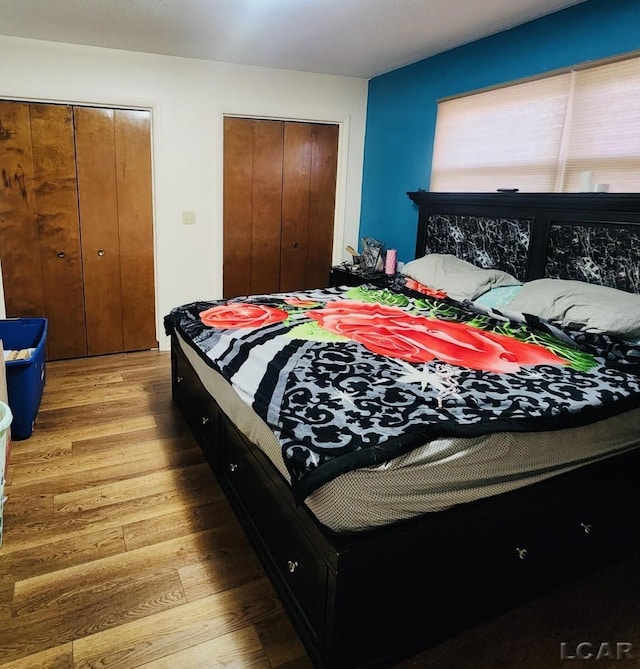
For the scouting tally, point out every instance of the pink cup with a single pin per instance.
(390, 262)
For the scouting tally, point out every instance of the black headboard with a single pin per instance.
(592, 237)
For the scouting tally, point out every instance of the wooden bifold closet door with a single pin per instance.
(76, 232)
(279, 205)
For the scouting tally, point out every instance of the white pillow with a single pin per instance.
(597, 308)
(460, 279)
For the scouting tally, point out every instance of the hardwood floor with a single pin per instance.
(119, 548)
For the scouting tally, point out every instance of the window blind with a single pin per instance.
(604, 127)
(539, 136)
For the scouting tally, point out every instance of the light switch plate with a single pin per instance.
(188, 218)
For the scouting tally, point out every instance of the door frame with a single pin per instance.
(339, 218)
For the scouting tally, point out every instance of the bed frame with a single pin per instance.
(365, 599)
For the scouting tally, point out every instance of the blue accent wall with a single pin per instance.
(402, 104)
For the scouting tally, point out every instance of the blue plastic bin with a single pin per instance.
(25, 378)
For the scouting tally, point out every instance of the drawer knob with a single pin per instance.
(522, 553)
(60, 254)
(233, 466)
(205, 420)
(292, 565)
(587, 527)
(180, 379)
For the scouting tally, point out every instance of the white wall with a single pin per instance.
(188, 99)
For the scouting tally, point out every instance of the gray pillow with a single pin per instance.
(597, 308)
(460, 279)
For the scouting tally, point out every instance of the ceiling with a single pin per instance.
(359, 38)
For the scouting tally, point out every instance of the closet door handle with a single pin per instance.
(60, 254)
(101, 252)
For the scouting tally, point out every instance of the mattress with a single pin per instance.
(437, 475)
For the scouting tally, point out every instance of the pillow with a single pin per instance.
(597, 308)
(458, 278)
(498, 297)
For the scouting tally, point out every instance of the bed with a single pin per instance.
(363, 593)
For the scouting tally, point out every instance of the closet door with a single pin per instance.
(322, 203)
(59, 229)
(19, 239)
(76, 232)
(39, 230)
(253, 152)
(113, 150)
(279, 203)
(237, 207)
(96, 164)
(308, 204)
(135, 226)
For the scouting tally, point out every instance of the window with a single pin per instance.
(542, 135)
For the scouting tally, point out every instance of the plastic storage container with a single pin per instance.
(5, 440)
(5, 448)
(25, 378)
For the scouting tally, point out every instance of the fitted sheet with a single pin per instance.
(437, 475)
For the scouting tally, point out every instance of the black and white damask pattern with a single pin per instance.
(324, 428)
(337, 406)
(492, 243)
(604, 255)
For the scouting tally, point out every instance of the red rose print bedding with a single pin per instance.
(347, 378)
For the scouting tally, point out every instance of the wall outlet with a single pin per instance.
(188, 218)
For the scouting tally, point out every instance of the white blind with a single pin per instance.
(604, 128)
(539, 136)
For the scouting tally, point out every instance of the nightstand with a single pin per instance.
(352, 275)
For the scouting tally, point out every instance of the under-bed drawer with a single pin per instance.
(200, 411)
(464, 574)
(537, 549)
(298, 566)
(599, 531)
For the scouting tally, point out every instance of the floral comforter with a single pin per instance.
(353, 377)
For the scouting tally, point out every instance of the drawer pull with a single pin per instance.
(587, 527)
(292, 565)
(233, 466)
(205, 420)
(522, 553)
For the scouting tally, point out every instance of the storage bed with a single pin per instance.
(361, 597)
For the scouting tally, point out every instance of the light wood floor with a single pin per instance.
(119, 548)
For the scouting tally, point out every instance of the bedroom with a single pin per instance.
(184, 134)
